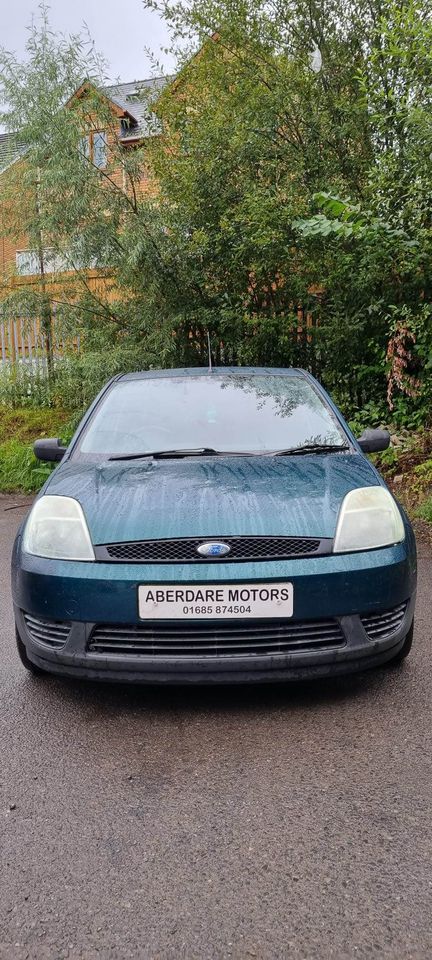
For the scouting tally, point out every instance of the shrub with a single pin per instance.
(26, 425)
(19, 469)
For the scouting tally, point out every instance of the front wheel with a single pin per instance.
(404, 650)
(26, 662)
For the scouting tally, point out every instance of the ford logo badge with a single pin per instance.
(213, 549)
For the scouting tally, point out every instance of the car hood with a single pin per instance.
(243, 496)
(154, 499)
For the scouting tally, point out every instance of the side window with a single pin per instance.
(100, 150)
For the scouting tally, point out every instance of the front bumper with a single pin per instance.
(342, 587)
(75, 660)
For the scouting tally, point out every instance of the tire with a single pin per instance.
(22, 653)
(405, 649)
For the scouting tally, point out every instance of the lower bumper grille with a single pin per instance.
(228, 639)
(378, 626)
(53, 633)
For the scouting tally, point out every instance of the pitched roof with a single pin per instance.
(134, 99)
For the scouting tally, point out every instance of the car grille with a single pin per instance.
(378, 626)
(208, 639)
(185, 550)
(53, 633)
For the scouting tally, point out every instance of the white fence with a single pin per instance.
(22, 340)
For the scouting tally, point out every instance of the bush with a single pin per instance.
(24, 386)
(75, 381)
(27, 425)
(19, 469)
(425, 511)
(79, 377)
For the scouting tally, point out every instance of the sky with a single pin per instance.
(121, 30)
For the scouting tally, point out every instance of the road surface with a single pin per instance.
(275, 823)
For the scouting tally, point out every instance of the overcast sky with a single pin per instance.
(121, 30)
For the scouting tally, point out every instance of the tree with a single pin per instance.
(257, 137)
(290, 209)
(73, 213)
(385, 242)
(253, 133)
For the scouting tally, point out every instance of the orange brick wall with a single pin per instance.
(7, 255)
(9, 183)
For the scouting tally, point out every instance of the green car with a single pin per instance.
(210, 526)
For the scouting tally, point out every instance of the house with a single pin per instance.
(128, 104)
(24, 268)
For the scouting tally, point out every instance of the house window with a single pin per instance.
(28, 262)
(100, 150)
(94, 147)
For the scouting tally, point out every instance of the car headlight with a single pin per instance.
(56, 528)
(369, 517)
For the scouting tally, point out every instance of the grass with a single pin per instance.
(425, 511)
(20, 471)
(27, 425)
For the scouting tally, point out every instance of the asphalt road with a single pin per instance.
(276, 823)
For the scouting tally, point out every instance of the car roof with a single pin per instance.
(205, 371)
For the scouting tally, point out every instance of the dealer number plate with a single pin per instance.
(215, 602)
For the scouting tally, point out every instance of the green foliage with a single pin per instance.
(424, 471)
(27, 425)
(19, 469)
(387, 461)
(86, 216)
(346, 221)
(80, 377)
(260, 142)
(280, 190)
(371, 415)
(423, 482)
(425, 510)
(21, 386)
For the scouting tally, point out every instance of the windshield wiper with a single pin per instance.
(311, 448)
(211, 452)
(160, 454)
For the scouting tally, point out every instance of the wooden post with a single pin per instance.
(46, 316)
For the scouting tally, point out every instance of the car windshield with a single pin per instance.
(220, 412)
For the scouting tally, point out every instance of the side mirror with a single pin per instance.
(49, 450)
(372, 441)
